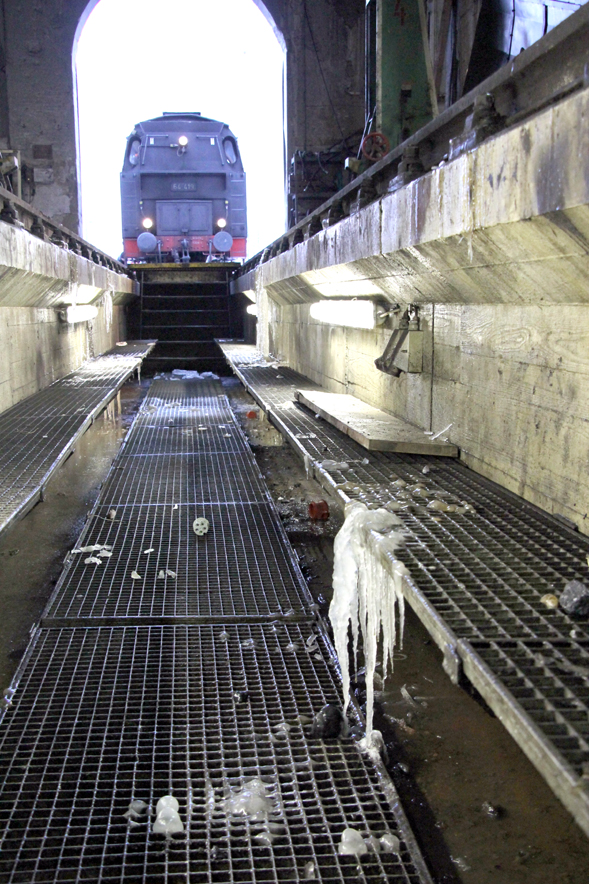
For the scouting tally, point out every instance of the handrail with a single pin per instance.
(17, 212)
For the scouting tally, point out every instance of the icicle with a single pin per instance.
(364, 594)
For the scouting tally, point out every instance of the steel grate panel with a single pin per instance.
(483, 574)
(28, 448)
(242, 566)
(487, 570)
(185, 478)
(167, 440)
(139, 713)
(38, 433)
(57, 400)
(551, 684)
(179, 392)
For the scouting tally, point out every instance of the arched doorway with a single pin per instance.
(130, 65)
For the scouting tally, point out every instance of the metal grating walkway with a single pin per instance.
(38, 434)
(192, 683)
(477, 578)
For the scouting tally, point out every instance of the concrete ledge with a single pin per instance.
(507, 223)
(36, 273)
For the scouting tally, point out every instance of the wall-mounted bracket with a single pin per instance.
(404, 351)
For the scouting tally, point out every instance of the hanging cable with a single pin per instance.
(512, 30)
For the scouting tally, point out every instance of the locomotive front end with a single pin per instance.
(183, 192)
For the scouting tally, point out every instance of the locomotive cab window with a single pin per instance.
(230, 148)
(134, 149)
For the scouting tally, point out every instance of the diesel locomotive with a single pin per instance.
(183, 191)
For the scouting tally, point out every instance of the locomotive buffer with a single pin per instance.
(185, 307)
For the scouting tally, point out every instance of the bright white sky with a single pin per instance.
(137, 59)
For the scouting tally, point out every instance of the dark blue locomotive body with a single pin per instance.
(183, 191)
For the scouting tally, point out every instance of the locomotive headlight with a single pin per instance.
(183, 141)
(147, 223)
(222, 222)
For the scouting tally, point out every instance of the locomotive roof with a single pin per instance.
(181, 118)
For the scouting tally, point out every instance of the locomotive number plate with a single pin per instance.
(183, 185)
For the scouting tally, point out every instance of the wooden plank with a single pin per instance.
(372, 428)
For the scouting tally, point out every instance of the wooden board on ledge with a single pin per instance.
(372, 428)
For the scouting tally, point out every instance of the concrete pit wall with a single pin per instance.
(37, 280)
(494, 249)
(37, 348)
(512, 381)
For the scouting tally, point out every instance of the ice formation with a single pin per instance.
(137, 811)
(365, 595)
(260, 804)
(352, 844)
(95, 547)
(168, 820)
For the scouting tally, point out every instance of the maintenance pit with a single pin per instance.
(478, 808)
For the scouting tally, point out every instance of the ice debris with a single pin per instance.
(253, 801)
(167, 821)
(96, 547)
(111, 514)
(374, 746)
(135, 575)
(137, 811)
(161, 574)
(309, 871)
(93, 560)
(365, 596)
(575, 598)
(311, 643)
(200, 526)
(184, 374)
(352, 843)
(341, 466)
(147, 551)
(389, 843)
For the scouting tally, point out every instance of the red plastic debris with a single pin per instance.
(318, 510)
(252, 415)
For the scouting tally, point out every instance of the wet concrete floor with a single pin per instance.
(479, 809)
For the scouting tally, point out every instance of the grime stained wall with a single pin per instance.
(494, 249)
(512, 381)
(515, 382)
(37, 348)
